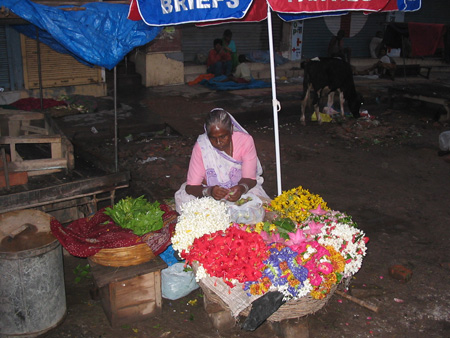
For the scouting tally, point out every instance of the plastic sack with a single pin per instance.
(250, 212)
(168, 256)
(177, 283)
(324, 117)
(444, 141)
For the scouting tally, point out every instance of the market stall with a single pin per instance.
(284, 265)
(258, 260)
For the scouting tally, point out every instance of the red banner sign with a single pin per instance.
(313, 6)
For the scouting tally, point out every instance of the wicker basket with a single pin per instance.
(125, 256)
(291, 309)
(297, 308)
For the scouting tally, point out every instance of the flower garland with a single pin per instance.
(296, 203)
(199, 217)
(234, 255)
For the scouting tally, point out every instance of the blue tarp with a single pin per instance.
(217, 83)
(97, 34)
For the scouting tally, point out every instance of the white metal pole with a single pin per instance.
(275, 103)
(116, 152)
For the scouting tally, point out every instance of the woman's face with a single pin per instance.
(220, 137)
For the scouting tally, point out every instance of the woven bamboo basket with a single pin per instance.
(125, 256)
(289, 310)
(297, 308)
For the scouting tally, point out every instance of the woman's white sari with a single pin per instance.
(221, 169)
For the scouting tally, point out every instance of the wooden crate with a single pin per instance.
(19, 127)
(129, 294)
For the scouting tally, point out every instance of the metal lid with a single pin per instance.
(22, 230)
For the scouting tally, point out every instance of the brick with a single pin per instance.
(401, 273)
(8, 159)
(223, 320)
(210, 306)
(291, 328)
(15, 178)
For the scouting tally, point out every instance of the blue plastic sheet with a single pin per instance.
(168, 256)
(217, 83)
(97, 34)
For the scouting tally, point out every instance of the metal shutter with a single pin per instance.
(247, 36)
(56, 69)
(4, 66)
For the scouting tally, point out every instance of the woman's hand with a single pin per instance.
(235, 193)
(219, 193)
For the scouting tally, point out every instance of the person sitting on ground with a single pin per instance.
(230, 46)
(336, 47)
(375, 45)
(243, 73)
(224, 163)
(385, 67)
(219, 60)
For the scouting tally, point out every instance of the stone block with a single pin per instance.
(222, 320)
(291, 328)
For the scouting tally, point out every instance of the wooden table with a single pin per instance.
(431, 93)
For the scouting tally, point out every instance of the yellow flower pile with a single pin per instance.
(296, 203)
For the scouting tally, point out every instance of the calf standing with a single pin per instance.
(331, 74)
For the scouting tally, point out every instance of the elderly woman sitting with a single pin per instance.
(224, 163)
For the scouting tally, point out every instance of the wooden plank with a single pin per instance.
(135, 291)
(43, 172)
(158, 299)
(13, 152)
(24, 124)
(64, 192)
(14, 115)
(106, 274)
(30, 139)
(14, 128)
(56, 150)
(67, 147)
(33, 129)
(39, 164)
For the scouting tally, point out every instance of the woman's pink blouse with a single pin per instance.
(243, 150)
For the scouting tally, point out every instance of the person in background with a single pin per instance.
(375, 45)
(385, 67)
(219, 60)
(224, 164)
(230, 46)
(336, 47)
(242, 73)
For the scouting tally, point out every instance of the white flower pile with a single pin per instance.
(342, 239)
(199, 217)
(340, 232)
(302, 292)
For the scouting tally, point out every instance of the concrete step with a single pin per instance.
(261, 71)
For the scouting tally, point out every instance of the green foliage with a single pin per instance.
(284, 226)
(137, 214)
(82, 271)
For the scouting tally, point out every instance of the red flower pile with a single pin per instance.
(232, 254)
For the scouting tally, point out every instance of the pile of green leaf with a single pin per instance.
(137, 214)
(284, 226)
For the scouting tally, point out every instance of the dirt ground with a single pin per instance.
(384, 172)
